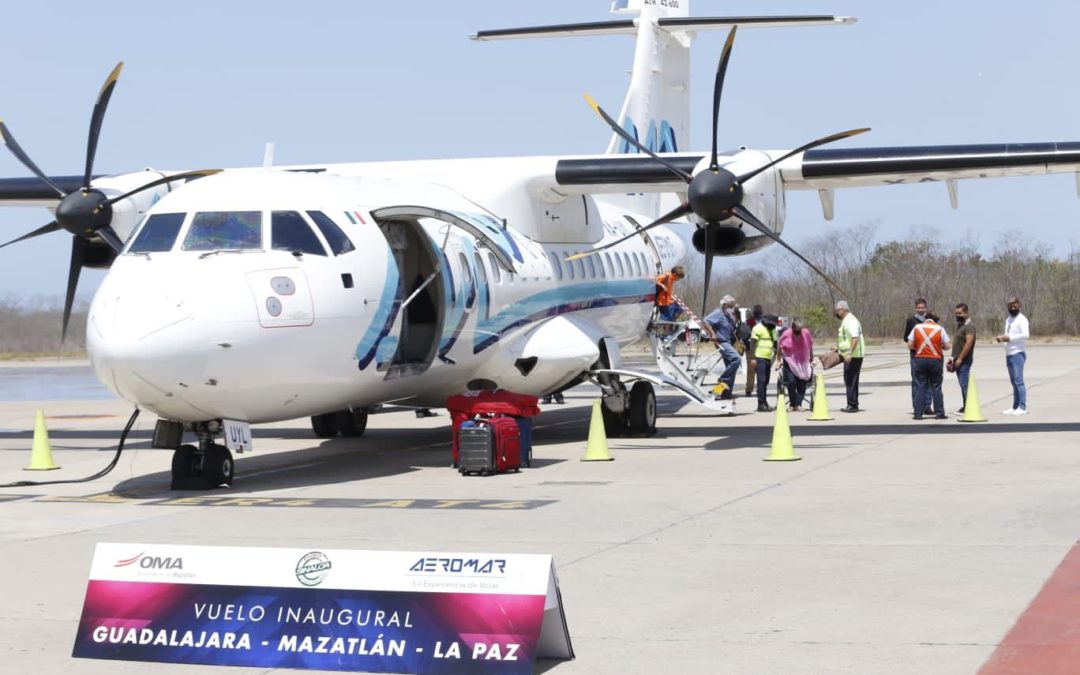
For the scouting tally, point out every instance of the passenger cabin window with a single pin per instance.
(465, 270)
(481, 271)
(339, 242)
(618, 261)
(592, 269)
(569, 267)
(610, 267)
(290, 232)
(158, 233)
(224, 230)
(555, 266)
(496, 273)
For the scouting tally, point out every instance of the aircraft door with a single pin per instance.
(650, 243)
(418, 325)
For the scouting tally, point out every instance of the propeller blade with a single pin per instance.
(708, 274)
(666, 218)
(750, 219)
(812, 144)
(718, 89)
(109, 236)
(617, 128)
(166, 179)
(96, 118)
(44, 229)
(13, 146)
(78, 245)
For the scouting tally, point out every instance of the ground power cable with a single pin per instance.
(99, 474)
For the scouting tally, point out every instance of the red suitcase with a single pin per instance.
(490, 445)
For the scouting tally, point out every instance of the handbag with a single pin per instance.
(830, 359)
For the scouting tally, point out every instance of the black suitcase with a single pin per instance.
(489, 446)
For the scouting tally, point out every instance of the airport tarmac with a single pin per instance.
(894, 546)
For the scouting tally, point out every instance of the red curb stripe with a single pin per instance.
(1046, 638)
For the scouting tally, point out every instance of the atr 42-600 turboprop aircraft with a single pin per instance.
(256, 295)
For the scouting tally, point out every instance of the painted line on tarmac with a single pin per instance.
(14, 498)
(1043, 640)
(308, 502)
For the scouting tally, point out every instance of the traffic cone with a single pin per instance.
(41, 454)
(782, 449)
(821, 406)
(597, 450)
(972, 413)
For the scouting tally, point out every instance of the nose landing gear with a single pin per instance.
(203, 467)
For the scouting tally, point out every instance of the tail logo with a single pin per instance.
(664, 141)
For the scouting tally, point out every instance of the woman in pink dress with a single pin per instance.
(797, 347)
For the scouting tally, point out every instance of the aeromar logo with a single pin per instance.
(151, 562)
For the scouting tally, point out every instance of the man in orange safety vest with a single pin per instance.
(929, 341)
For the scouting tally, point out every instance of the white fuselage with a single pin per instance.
(198, 329)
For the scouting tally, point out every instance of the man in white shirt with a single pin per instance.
(1015, 339)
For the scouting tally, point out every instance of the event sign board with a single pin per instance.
(378, 611)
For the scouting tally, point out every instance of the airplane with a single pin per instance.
(252, 295)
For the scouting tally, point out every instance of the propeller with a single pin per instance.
(86, 213)
(715, 194)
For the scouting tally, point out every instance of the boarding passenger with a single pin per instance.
(929, 342)
(963, 352)
(1015, 338)
(797, 350)
(666, 306)
(852, 347)
(723, 321)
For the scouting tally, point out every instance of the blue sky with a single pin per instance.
(352, 81)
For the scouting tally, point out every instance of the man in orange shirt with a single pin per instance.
(665, 301)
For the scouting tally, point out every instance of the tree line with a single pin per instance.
(32, 326)
(882, 280)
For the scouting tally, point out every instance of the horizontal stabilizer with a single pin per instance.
(669, 24)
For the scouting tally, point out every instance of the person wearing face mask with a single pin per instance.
(909, 325)
(1015, 338)
(852, 347)
(751, 367)
(963, 351)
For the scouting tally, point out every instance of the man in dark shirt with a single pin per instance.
(963, 351)
(919, 407)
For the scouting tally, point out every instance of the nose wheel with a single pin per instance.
(202, 468)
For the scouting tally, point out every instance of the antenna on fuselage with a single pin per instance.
(268, 155)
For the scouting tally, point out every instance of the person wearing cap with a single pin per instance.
(723, 322)
(852, 347)
(763, 345)
(751, 368)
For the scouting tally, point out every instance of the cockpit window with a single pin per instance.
(290, 232)
(158, 233)
(339, 242)
(218, 230)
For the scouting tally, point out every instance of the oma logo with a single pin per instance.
(152, 562)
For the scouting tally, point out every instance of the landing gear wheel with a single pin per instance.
(352, 423)
(615, 423)
(642, 409)
(325, 426)
(183, 468)
(192, 470)
(218, 466)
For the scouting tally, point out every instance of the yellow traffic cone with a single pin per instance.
(821, 406)
(41, 454)
(597, 450)
(972, 412)
(782, 449)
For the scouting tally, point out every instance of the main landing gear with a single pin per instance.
(204, 466)
(628, 413)
(346, 423)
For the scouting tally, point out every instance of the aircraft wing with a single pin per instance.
(31, 191)
(831, 168)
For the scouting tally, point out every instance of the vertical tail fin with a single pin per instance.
(656, 110)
